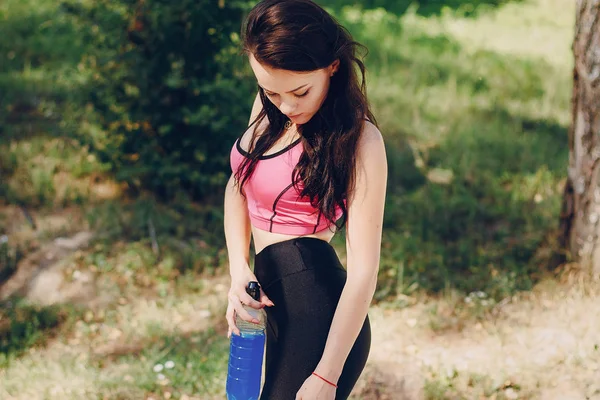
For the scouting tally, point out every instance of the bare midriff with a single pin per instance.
(264, 238)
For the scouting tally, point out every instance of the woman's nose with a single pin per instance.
(287, 108)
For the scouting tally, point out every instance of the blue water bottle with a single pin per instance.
(246, 353)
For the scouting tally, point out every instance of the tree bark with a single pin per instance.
(580, 215)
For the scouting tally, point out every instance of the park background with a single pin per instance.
(116, 121)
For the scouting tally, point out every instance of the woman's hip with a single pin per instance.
(282, 259)
(302, 276)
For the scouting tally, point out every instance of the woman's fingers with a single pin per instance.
(247, 300)
(239, 289)
(244, 314)
(235, 302)
(238, 298)
(230, 316)
(264, 299)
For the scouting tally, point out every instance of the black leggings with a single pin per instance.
(304, 278)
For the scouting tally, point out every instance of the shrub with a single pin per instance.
(169, 90)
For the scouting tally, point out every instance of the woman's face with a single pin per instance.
(298, 95)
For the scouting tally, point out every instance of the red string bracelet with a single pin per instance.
(331, 383)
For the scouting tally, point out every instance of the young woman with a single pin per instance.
(311, 162)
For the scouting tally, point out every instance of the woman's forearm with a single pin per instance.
(348, 320)
(237, 230)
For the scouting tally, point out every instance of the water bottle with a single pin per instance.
(246, 353)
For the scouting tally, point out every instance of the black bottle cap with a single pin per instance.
(253, 290)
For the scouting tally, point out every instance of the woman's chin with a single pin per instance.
(301, 119)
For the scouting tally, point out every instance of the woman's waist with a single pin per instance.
(263, 238)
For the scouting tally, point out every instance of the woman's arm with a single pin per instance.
(363, 243)
(238, 233)
(237, 230)
(237, 222)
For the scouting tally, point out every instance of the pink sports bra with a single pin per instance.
(274, 204)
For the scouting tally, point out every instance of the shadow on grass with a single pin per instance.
(41, 48)
(23, 326)
(42, 97)
(427, 8)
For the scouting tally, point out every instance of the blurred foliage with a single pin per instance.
(181, 236)
(41, 100)
(9, 258)
(468, 8)
(199, 371)
(23, 325)
(47, 170)
(169, 90)
(40, 47)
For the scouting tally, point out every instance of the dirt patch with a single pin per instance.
(544, 344)
(40, 276)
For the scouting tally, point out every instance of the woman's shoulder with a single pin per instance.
(370, 135)
(253, 123)
(258, 126)
(370, 149)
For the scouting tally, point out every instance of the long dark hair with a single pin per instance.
(299, 35)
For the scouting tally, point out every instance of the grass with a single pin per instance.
(427, 8)
(24, 325)
(40, 105)
(111, 350)
(474, 107)
(493, 119)
(109, 346)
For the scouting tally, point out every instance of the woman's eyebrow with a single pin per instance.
(298, 88)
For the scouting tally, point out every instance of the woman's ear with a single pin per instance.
(333, 67)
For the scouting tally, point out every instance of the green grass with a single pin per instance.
(190, 366)
(199, 360)
(9, 258)
(41, 102)
(450, 98)
(24, 326)
(478, 98)
(428, 8)
(181, 237)
(148, 316)
(46, 171)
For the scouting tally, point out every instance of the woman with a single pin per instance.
(311, 162)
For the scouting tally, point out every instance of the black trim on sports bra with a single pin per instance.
(267, 156)
(275, 205)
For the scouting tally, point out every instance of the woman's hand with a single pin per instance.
(238, 297)
(315, 388)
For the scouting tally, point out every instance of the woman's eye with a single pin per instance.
(297, 95)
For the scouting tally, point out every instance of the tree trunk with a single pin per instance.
(580, 217)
